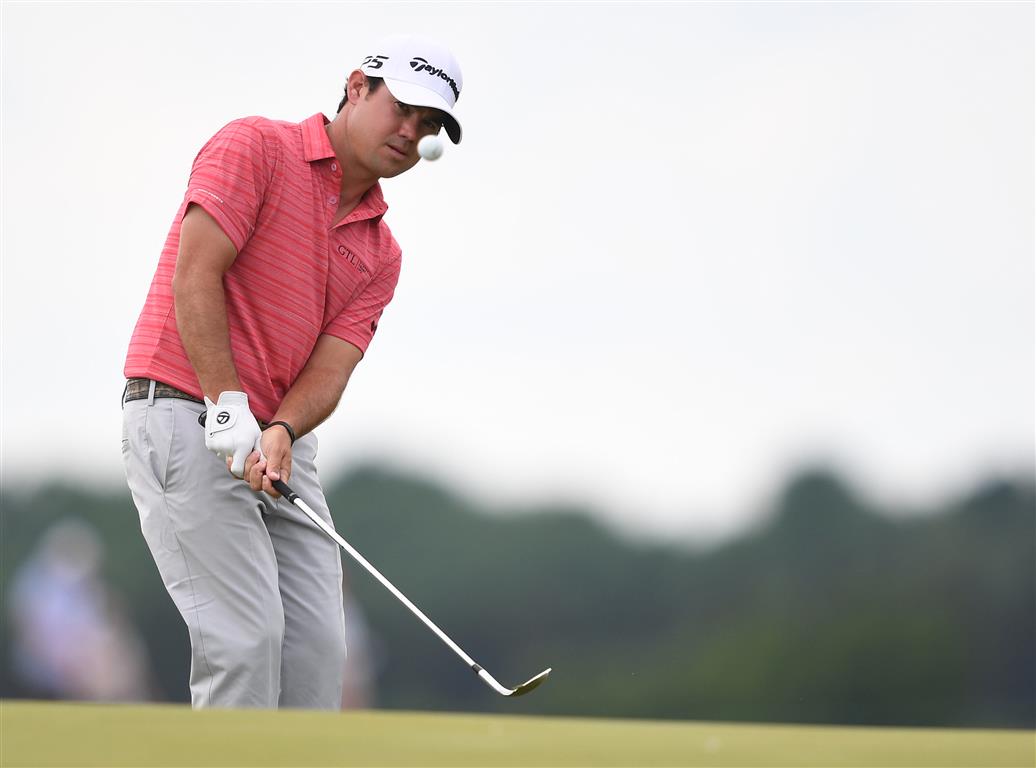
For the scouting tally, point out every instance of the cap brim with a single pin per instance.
(416, 96)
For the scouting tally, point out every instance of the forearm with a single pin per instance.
(204, 256)
(201, 319)
(319, 387)
(312, 398)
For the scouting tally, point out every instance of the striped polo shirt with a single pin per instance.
(273, 188)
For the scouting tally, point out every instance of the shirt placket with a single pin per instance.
(333, 189)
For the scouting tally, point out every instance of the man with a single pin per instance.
(273, 278)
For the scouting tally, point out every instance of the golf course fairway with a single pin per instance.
(63, 734)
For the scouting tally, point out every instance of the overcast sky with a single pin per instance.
(682, 250)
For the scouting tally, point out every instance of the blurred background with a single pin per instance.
(709, 380)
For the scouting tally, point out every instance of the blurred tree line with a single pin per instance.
(830, 611)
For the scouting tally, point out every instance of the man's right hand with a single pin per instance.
(270, 462)
(231, 430)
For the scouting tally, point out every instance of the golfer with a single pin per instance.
(269, 289)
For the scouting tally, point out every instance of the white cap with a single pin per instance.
(419, 72)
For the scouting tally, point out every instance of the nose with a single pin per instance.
(408, 127)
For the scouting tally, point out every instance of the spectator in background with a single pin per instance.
(70, 637)
(361, 664)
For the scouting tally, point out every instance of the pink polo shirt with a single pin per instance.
(273, 187)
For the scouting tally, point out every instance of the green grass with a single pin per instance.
(38, 734)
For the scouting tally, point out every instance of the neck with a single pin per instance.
(356, 180)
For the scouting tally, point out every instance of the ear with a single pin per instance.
(355, 85)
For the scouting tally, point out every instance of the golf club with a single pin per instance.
(487, 678)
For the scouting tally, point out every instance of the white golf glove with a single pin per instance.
(231, 429)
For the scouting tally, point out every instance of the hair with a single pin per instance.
(373, 83)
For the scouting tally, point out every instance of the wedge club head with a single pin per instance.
(530, 684)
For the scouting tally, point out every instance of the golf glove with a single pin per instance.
(231, 430)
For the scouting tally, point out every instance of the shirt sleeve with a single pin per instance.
(229, 179)
(358, 322)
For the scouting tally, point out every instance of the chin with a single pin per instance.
(394, 169)
(395, 172)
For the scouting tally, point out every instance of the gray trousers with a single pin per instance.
(257, 583)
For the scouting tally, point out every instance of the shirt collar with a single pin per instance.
(374, 201)
(315, 144)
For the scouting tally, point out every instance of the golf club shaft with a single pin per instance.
(293, 497)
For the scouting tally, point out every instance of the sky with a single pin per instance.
(683, 251)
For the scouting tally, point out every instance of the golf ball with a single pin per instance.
(430, 147)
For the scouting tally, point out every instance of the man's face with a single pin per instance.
(384, 132)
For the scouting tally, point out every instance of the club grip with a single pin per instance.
(284, 490)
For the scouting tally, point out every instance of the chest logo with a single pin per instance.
(353, 259)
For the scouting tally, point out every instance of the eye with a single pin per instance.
(432, 125)
(403, 109)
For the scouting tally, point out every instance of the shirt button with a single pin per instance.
(332, 200)
(334, 166)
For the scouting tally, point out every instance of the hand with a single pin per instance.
(231, 431)
(271, 462)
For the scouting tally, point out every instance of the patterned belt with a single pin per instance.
(137, 389)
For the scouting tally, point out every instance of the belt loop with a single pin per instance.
(151, 393)
(125, 389)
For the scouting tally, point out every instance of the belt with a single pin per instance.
(138, 389)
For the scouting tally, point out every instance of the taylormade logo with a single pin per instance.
(421, 65)
(222, 417)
